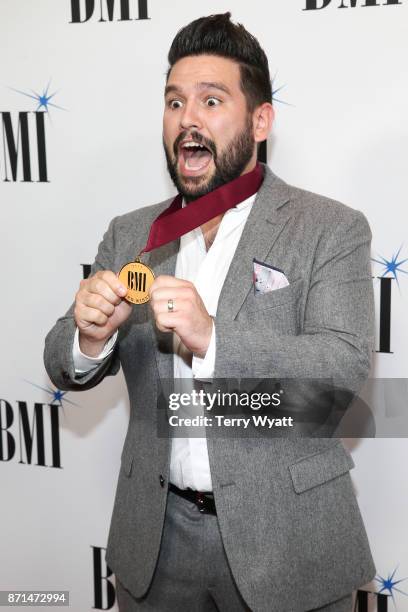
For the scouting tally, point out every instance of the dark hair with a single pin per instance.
(217, 35)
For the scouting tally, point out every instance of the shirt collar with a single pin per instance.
(239, 206)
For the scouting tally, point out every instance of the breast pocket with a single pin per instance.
(278, 309)
(278, 297)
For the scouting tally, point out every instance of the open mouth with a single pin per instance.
(194, 157)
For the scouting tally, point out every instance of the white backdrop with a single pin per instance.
(341, 130)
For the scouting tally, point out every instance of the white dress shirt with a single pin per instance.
(189, 464)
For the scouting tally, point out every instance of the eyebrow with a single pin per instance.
(202, 85)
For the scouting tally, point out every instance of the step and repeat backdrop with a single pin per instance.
(81, 102)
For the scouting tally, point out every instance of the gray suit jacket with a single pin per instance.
(288, 515)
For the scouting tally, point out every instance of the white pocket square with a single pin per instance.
(267, 278)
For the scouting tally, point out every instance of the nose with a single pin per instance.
(190, 117)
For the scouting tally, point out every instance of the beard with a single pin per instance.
(229, 164)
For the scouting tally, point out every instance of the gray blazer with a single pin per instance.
(289, 519)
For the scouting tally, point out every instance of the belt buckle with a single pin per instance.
(200, 501)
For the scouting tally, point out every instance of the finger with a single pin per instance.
(163, 329)
(180, 306)
(86, 316)
(113, 281)
(173, 293)
(168, 281)
(113, 293)
(97, 301)
(167, 321)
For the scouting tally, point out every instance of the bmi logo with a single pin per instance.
(313, 5)
(24, 142)
(30, 434)
(108, 10)
(392, 268)
(367, 601)
(86, 270)
(23, 138)
(104, 590)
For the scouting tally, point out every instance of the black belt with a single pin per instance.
(204, 501)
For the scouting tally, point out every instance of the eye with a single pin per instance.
(174, 104)
(213, 101)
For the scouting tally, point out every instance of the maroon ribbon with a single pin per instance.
(176, 221)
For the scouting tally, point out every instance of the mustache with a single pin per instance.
(206, 142)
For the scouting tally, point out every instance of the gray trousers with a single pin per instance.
(192, 572)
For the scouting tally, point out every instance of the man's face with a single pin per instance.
(204, 105)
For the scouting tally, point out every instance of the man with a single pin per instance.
(244, 523)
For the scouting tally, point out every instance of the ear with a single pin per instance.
(262, 121)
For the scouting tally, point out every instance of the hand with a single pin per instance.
(189, 319)
(99, 310)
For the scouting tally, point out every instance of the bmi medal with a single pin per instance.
(138, 278)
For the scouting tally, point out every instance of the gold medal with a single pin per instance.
(138, 278)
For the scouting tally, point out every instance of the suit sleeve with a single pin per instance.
(58, 354)
(336, 333)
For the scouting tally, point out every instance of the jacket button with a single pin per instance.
(162, 481)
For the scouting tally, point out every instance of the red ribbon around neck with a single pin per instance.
(176, 221)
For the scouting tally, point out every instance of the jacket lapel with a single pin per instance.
(264, 224)
(163, 261)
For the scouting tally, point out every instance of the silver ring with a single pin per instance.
(170, 305)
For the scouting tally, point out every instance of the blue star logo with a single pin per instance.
(389, 584)
(43, 99)
(56, 394)
(276, 90)
(392, 266)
